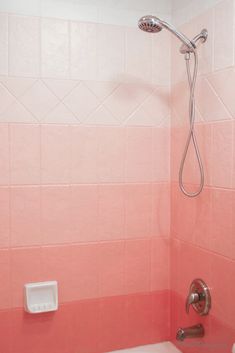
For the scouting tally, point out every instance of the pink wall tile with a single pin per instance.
(25, 154)
(137, 266)
(75, 267)
(161, 151)
(208, 102)
(5, 325)
(56, 221)
(112, 268)
(84, 213)
(113, 333)
(181, 273)
(223, 225)
(160, 220)
(4, 44)
(111, 212)
(24, 45)
(85, 326)
(25, 216)
(55, 48)
(160, 264)
(224, 269)
(38, 332)
(56, 152)
(138, 210)
(5, 296)
(4, 154)
(4, 217)
(139, 165)
(223, 83)
(26, 267)
(222, 154)
(111, 154)
(84, 152)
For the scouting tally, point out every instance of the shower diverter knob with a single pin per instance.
(199, 297)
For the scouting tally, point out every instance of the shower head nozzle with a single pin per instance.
(150, 24)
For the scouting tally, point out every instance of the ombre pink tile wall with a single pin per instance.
(203, 229)
(84, 184)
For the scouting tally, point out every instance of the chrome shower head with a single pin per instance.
(150, 24)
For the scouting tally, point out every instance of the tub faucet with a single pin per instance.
(195, 331)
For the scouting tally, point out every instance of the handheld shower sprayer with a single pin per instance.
(152, 24)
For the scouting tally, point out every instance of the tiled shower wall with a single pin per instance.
(84, 195)
(203, 243)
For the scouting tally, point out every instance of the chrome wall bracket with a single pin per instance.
(199, 297)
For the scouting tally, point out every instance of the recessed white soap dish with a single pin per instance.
(41, 297)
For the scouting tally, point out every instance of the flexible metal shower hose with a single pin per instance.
(191, 134)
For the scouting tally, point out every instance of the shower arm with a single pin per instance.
(186, 43)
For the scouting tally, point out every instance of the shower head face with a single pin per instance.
(150, 24)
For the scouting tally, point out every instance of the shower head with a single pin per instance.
(152, 24)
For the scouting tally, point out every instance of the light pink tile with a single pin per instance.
(111, 154)
(39, 100)
(25, 216)
(138, 210)
(4, 154)
(55, 48)
(25, 268)
(223, 82)
(208, 102)
(223, 35)
(161, 154)
(160, 264)
(4, 44)
(56, 151)
(222, 154)
(76, 269)
(161, 58)
(111, 63)
(6, 100)
(56, 225)
(17, 85)
(138, 55)
(112, 268)
(5, 291)
(25, 154)
(84, 51)
(126, 99)
(160, 220)
(84, 153)
(81, 101)
(139, 158)
(60, 87)
(223, 225)
(111, 212)
(137, 266)
(24, 45)
(84, 213)
(4, 217)
(191, 218)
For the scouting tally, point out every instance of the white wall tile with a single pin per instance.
(3, 44)
(55, 48)
(24, 46)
